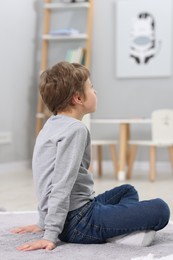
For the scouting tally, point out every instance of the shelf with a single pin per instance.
(66, 6)
(81, 36)
(65, 38)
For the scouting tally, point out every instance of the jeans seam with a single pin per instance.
(84, 235)
(120, 229)
(118, 194)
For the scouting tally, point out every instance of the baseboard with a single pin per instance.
(19, 212)
(163, 166)
(14, 166)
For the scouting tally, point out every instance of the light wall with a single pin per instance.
(18, 77)
(21, 26)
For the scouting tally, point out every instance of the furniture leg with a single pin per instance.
(123, 151)
(128, 138)
(171, 154)
(114, 159)
(91, 168)
(131, 161)
(99, 158)
(152, 163)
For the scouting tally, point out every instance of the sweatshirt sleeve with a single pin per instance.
(69, 156)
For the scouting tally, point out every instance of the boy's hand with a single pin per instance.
(39, 244)
(26, 229)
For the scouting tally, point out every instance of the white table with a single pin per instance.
(124, 136)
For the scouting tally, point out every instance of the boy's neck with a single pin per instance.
(72, 113)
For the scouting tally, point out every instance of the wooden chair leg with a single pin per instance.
(152, 163)
(171, 155)
(91, 168)
(99, 158)
(114, 159)
(123, 151)
(131, 159)
(128, 146)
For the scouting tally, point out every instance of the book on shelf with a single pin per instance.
(76, 55)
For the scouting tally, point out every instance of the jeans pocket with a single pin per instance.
(72, 220)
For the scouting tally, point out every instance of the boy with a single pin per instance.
(68, 208)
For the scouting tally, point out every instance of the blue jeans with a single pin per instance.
(113, 213)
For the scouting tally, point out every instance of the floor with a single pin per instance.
(17, 189)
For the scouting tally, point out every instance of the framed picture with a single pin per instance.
(143, 38)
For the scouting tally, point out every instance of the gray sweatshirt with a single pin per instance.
(60, 169)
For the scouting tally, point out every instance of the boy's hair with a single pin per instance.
(59, 84)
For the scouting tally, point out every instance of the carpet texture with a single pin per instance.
(161, 249)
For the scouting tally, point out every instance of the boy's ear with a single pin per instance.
(77, 99)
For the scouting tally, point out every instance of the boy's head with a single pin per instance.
(59, 84)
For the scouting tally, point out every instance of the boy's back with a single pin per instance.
(59, 176)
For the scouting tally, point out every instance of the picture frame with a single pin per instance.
(143, 38)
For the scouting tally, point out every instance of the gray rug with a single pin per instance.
(162, 247)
